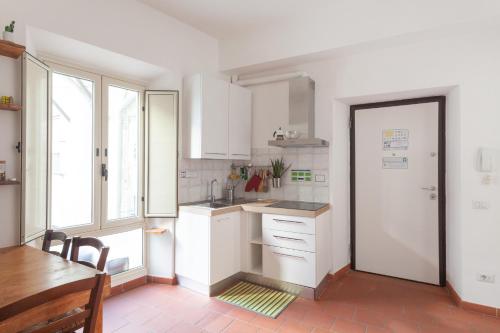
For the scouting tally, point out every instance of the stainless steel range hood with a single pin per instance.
(301, 115)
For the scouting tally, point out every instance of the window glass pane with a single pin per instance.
(125, 251)
(72, 150)
(123, 144)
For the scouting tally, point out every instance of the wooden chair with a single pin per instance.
(51, 235)
(92, 242)
(85, 317)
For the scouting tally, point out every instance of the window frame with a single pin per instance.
(105, 223)
(57, 68)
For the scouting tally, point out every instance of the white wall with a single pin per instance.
(123, 27)
(329, 26)
(466, 68)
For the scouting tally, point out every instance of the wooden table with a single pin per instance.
(26, 271)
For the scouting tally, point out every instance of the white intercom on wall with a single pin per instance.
(487, 160)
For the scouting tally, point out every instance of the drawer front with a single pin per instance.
(292, 266)
(305, 225)
(289, 240)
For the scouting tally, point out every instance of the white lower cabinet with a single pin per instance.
(207, 249)
(296, 249)
(289, 265)
(287, 248)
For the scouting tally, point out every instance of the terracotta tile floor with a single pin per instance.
(357, 303)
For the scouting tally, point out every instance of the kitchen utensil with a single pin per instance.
(253, 183)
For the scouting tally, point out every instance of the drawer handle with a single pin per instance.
(289, 238)
(222, 154)
(288, 221)
(289, 255)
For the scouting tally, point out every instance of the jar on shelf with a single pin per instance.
(3, 171)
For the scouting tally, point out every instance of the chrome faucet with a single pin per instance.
(212, 196)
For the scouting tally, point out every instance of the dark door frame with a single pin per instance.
(441, 100)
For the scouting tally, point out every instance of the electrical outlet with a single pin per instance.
(488, 278)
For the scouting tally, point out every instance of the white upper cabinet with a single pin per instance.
(240, 122)
(207, 112)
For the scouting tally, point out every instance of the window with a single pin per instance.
(95, 179)
(75, 107)
(125, 251)
(122, 104)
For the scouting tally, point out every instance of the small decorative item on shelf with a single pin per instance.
(8, 33)
(279, 169)
(7, 100)
(279, 134)
(3, 171)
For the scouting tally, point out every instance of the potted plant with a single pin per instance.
(8, 33)
(279, 169)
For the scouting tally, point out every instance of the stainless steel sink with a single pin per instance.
(219, 203)
(212, 204)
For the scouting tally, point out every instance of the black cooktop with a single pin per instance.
(301, 205)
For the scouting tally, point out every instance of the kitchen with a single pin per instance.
(251, 167)
(248, 225)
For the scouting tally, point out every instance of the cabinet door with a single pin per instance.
(191, 247)
(288, 265)
(240, 122)
(224, 246)
(215, 106)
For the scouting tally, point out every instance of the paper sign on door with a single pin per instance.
(395, 163)
(395, 139)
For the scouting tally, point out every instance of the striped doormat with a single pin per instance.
(265, 301)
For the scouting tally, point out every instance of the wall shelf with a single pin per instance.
(10, 107)
(157, 231)
(10, 182)
(11, 50)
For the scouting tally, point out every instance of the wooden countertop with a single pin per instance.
(261, 206)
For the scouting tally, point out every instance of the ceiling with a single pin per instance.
(226, 19)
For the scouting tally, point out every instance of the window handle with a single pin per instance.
(104, 171)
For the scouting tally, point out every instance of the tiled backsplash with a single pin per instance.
(314, 159)
(196, 186)
(199, 173)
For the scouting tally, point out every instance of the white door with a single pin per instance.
(240, 122)
(215, 108)
(396, 191)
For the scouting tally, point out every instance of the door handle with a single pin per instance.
(429, 188)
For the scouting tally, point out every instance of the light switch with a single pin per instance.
(480, 204)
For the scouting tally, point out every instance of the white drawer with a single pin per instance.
(289, 240)
(305, 225)
(292, 266)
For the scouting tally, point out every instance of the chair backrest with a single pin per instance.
(92, 242)
(89, 314)
(51, 235)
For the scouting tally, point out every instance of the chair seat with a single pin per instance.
(70, 329)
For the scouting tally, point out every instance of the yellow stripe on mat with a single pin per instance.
(262, 300)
